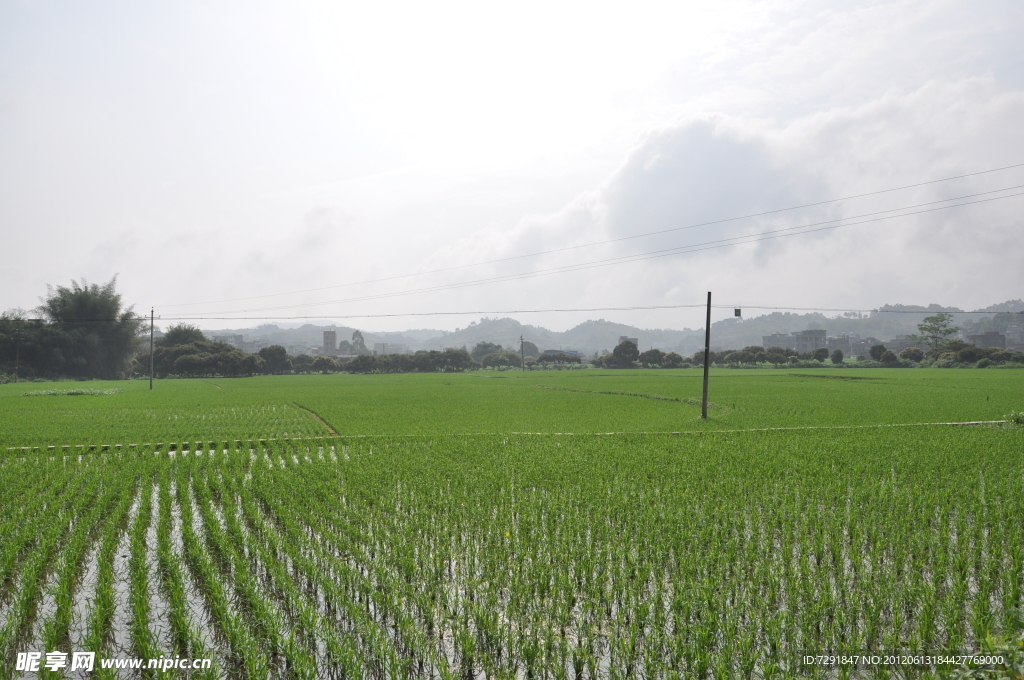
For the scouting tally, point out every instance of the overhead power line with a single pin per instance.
(605, 242)
(667, 252)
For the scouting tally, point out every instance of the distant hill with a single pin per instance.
(1013, 306)
(885, 323)
(589, 336)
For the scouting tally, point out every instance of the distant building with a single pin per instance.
(862, 346)
(1015, 337)
(900, 343)
(330, 342)
(776, 340)
(623, 338)
(841, 343)
(808, 341)
(989, 339)
(253, 346)
(390, 348)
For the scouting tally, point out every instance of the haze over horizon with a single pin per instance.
(215, 156)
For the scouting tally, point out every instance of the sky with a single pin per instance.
(302, 160)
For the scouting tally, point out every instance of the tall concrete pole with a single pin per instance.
(707, 360)
(151, 348)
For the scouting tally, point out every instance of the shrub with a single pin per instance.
(1015, 417)
(984, 363)
(889, 358)
(970, 354)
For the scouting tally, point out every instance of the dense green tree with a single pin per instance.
(182, 334)
(935, 330)
(671, 360)
(302, 363)
(95, 336)
(450, 360)
(276, 359)
(324, 364)
(820, 354)
(191, 365)
(739, 356)
(218, 358)
(482, 349)
(358, 344)
(970, 354)
(876, 352)
(652, 357)
(502, 359)
(559, 358)
(837, 357)
(530, 349)
(713, 357)
(889, 358)
(912, 354)
(626, 353)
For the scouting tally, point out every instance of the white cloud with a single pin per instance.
(712, 168)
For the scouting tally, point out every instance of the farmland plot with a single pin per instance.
(724, 554)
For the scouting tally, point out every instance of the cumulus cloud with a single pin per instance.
(705, 169)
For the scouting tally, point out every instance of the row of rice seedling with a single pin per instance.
(186, 639)
(728, 555)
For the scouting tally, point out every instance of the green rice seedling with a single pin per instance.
(104, 599)
(20, 614)
(261, 611)
(303, 612)
(56, 629)
(185, 638)
(246, 654)
(143, 640)
(23, 529)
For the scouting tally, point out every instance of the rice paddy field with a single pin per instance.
(581, 524)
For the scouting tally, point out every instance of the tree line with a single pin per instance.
(79, 331)
(83, 331)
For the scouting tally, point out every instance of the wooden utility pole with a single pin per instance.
(522, 353)
(151, 348)
(707, 360)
